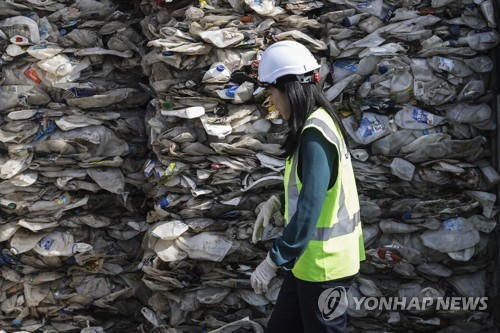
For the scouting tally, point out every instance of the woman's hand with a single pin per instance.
(265, 211)
(263, 275)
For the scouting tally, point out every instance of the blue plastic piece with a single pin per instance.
(230, 91)
(164, 202)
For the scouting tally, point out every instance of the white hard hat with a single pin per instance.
(285, 58)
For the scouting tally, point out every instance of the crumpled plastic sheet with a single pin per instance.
(416, 108)
(157, 206)
(73, 143)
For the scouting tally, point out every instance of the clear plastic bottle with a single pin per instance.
(411, 117)
(466, 113)
(488, 10)
(21, 26)
(402, 169)
(376, 8)
(479, 40)
(371, 24)
(338, 15)
(452, 66)
(372, 7)
(472, 91)
(470, 21)
(367, 65)
(451, 31)
(343, 68)
(371, 127)
(7, 204)
(440, 3)
(480, 64)
(59, 65)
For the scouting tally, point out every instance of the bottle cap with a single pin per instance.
(382, 69)
(220, 68)
(63, 31)
(19, 40)
(345, 22)
(246, 19)
(167, 53)
(164, 202)
(132, 150)
(168, 104)
(406, 214)
(230, 91)
(452, 42)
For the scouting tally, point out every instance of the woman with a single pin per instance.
(322, 243)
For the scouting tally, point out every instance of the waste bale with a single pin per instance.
(412, 83)
(73, 145)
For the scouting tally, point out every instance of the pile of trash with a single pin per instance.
(73, 145)
(412, 81)
(138, 147)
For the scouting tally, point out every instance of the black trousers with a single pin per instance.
(297, 309)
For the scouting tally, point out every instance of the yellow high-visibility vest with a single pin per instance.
(337, 247)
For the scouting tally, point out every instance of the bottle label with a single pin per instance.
(39, 47)
(31, 73)
(46, 243)
(445, 64)
(419, 88)
(168, 173)
(423, 117)
(433, 130)
(346, 64)
(364, 4)
(369, 126)
(64, 199)
(149, 167)
(452, 224)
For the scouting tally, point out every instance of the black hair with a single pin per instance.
(304, 98)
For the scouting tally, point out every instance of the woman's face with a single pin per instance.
(280, 101)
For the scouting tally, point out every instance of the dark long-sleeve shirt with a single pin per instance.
(317, 170)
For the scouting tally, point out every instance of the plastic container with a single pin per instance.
(218, 73)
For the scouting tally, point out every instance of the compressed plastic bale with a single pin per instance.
(50, 66)
(395, 86)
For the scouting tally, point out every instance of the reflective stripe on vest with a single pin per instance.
(345, 224)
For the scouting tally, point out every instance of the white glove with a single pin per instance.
(263, 275)
(265, 211)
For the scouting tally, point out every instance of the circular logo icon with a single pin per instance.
(332, 303)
